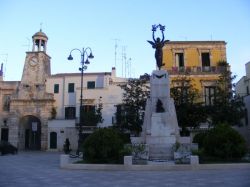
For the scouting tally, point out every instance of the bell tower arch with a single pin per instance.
(39, 41)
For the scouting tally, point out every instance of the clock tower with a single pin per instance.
(31, 105)
(36, 69)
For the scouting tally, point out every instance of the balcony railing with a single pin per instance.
(86, 129)
(197, 70)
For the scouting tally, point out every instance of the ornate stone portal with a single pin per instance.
(30, 106)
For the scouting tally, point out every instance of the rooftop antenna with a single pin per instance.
(41, 26)
(124, 59)
(211, 37)
(116, 46)
(129, 67)
(28, 44)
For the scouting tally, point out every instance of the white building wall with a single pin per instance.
(243, 85)
(106, 91)
(247, 67)
(59, 97)
(243, 89)
(70, 98)
(64, 129)
(240, 87)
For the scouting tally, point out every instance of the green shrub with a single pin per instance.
(224, 143)
(199, 139)
(104, 146)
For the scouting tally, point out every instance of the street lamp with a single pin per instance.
(86, 54)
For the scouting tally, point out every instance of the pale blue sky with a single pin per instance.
(96, 23)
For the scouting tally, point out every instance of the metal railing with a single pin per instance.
(197, 70)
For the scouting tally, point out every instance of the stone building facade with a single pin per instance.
(25, 104)
(242, 89)
(199, 61)
(26, 107)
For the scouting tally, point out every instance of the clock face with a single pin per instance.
(33, 61)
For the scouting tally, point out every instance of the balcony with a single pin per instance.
(86, 129)
(197, 70)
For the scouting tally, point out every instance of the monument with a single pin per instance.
(160, 130)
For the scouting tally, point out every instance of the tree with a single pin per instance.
(93, 116)
(190, 111)
(228, 108)
(105, 145)
(221, 143)
(131, 113)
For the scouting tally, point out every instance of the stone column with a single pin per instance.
(39, 45)
(34, 45)
(14, 131)
(45, 46)
(44, 134)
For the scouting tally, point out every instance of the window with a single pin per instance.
(6, 103)
(179, 59)
(70, 112)
(56, 88)
(71, 88)
(91, 84)
(88, 108)
(120, 115)
(88, 115)
(246, 117)
(209, 95)
(205, 58)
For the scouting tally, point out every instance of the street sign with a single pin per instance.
(34, 126)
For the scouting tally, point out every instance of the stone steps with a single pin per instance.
(160, 152)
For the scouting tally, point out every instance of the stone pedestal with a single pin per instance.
(160, 130)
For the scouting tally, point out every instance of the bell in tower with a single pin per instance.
(39, 41)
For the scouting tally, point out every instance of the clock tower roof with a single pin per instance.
(40, 34)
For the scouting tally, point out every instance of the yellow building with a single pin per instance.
(199, 61)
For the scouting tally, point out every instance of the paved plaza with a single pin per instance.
(31, 169)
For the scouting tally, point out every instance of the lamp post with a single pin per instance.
(85, 55)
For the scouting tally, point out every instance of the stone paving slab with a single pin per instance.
(39, 169)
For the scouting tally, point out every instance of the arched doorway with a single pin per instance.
(30, 133)
(53, 140)
(5, 134)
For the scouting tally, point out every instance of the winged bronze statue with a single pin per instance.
(158, 44)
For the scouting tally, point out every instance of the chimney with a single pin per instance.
(113, 73)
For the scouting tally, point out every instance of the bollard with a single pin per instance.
(194, 159)
(64, 160)
(127, 160)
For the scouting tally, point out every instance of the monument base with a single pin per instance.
(161, 151)
(160, 129)
(162, 137)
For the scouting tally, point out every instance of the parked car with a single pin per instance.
(6, 148)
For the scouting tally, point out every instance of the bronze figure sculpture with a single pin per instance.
(158, 44)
